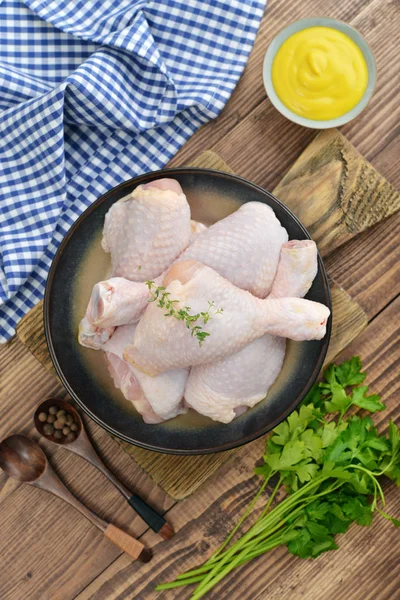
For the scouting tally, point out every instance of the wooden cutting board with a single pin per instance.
(336, 193)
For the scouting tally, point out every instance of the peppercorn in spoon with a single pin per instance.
(24, 460)
(59, 422)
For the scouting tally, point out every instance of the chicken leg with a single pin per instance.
(231, 245)
(155, 398)
(223, 389)
(146, 231)
(162, 343)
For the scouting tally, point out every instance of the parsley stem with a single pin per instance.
(277, 540)
(392, 461)
(280, 510)
(374, 480)
(205, 587)
(178, 583)
(217, 554)
(272, 496)
(245, 515)
(273, 520)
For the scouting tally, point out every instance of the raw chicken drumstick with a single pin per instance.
(147, 230)
(230, 246)
(114, 302)
(155, 398)
(118, 301)
(226, 388)
(162, 343)
(297, 268)
(89, 334)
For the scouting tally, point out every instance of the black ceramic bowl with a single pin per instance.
(80, 262)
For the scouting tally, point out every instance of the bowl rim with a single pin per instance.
(306, 23)
(47, 328)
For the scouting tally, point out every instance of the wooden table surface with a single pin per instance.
(49, 552)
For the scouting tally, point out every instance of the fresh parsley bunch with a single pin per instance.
(329, 467)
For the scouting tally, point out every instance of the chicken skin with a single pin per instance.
(147, 230)
(162, 343)
(155, 398)
(230, 245)
(227, 387)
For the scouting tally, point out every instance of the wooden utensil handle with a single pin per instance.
(127, 543)
(84, 448)
(50, 482)
(148, 514)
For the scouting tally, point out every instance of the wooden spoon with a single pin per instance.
(83, 447)
(24, 460)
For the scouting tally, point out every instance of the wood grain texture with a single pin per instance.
(368, 267)
(125, 542)
(204, 520)
(348, 321)
(52, 554)
(181, 476)
(250, 91)
(30, 331)
(48, 551)
(335, 191)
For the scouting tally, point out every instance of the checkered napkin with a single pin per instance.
(92, 93)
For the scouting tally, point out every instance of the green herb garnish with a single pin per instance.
(159, 295)
(330, 469)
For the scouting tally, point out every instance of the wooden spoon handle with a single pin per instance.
(128, 544)
(148, 514)
(84, 448)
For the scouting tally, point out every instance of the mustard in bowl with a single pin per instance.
(319, 73)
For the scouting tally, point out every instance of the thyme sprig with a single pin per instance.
(159, 295)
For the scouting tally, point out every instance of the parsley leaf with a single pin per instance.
(357, 511)
(394, 437)
(330, 467)
(371, 403)
(349, 372)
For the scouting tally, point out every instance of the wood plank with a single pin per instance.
(348, 321)
(374, 128)
(264, 145)
(52, 552)
(385, 159)
(250, 89)
(335, 191)
(204, 519)
(210, 160)
(368, 267)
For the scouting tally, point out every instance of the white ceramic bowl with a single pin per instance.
(305, 24)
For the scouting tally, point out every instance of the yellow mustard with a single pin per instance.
(319, 73)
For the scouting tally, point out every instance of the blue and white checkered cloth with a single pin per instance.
(92, 93)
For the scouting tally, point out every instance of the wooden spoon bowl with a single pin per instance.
(22, 459)
(63, 405)
(83, 447)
